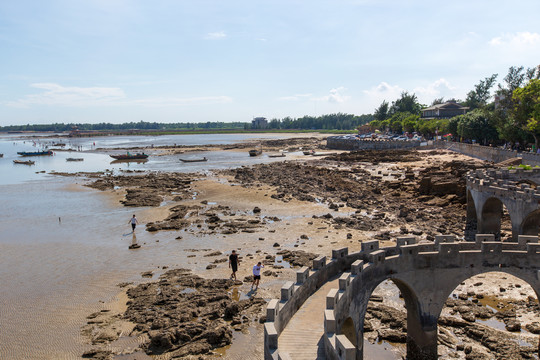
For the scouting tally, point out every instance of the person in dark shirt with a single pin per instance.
(233, 263)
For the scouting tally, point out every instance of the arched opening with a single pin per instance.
(531, 224)
(490, 315)
(471, 227)
(385, 324)
(496, 219)
(349, 330)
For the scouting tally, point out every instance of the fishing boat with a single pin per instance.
(308, 152)
(74, 159)
(35, 153)
(129, 156)
(193, 160)
(27, 162)
(276, 155)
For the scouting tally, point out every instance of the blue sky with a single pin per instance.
(226, 60)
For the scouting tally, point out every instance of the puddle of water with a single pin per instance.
(280, 262)
(188, 291)
(237, 295)
(382, 350)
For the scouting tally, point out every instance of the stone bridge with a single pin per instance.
(489, 190)
(426, 275)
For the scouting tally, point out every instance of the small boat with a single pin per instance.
(276, 155)
(194, 160)
(74, 159)
(129, 156)
(27, 162)
(308, 152)
(255, 152)
(1, 155)
(35, 153)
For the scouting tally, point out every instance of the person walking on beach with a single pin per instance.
(133, 221)
(233, 264)
(257, 275)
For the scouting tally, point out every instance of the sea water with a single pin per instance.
(63, 246)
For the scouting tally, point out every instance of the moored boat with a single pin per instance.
(35, 153)
(129, 156)
(27, 162)
(193, 160)
(276, 155)
(74, 159)
(255, 152)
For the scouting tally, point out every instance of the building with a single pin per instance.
(259, 123)
(444, 111)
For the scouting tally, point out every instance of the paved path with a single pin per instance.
(302, 337)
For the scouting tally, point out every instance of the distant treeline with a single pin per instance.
(325, 122)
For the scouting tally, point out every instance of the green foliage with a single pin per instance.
(406, 103)
(382, 112)
(526, 111)
(479, 97)
(476, 125)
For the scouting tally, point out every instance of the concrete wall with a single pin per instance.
(335, 142)
(488, 153)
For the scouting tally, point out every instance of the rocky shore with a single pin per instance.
(286, 213)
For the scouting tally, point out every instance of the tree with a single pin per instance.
(476, 125)
(526, 110)
(407, 103)
(410, 122)
(382, 112)
(437, 101)
(479, 97)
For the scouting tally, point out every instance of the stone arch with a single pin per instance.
(531, 223)
(348, 329)
(491, 215)
(471, 227)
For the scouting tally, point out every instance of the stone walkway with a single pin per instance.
(302, 337)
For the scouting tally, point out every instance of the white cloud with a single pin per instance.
(384, 89)
(295, 97)
(518, 39)
(172, 101)
(55, 94)
(336, 96)
(216, 35)
(436, 89)
(58, 95)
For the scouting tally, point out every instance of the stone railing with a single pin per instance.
(489, 153)
(408, 256)
(377, 264)
(338, 143)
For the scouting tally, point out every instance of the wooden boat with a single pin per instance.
(309, 152)
(27, 162)
(35, 153)
(193, 160)
(74, 159)
(276, 155)
(255, 152)
(129, 156)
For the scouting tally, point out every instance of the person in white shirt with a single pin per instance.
(257, 275)
(133, 221)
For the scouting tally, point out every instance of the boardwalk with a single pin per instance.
(302, 337)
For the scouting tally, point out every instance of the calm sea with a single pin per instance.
(63, 247)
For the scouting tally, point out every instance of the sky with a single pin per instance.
(93, 61)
